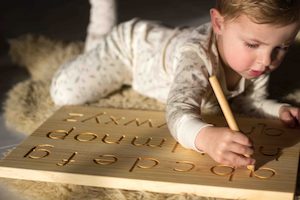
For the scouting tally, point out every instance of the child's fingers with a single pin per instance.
(296, 114)
(241, 149)
(236, 160)
(288, 119)
(241, 139)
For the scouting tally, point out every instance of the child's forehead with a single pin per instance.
(274, 33)
(247, 21)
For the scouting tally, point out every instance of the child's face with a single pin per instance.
(252, 49)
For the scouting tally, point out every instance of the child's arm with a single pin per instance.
(183, 111)
(189, 87)
(254, 101)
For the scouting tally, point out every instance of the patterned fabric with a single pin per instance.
(170, 65)
(103, 17)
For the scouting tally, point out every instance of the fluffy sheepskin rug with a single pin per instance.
(28, 104)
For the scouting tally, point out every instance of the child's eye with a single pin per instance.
(283, 48)
(252, 46)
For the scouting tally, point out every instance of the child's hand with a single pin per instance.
(225, 146)
(290, 116)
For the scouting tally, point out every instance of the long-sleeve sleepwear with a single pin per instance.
(170, 65)
(103, 17)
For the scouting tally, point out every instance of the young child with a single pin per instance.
(244, 42)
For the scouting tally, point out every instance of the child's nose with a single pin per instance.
(267, 59)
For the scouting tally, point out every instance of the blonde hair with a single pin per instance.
(279, 12)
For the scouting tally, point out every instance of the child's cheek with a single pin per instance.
(245, 61)
(238, 59)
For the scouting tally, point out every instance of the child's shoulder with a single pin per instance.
(203, 29)
(199, 37)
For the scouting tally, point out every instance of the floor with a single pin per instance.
(67, 20)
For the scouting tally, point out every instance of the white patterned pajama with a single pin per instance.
(103, 17)
(170, 65)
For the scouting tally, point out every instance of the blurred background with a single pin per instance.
(68, 19)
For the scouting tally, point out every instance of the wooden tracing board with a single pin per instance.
(131, 149)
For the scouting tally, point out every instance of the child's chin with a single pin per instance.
(251, 76)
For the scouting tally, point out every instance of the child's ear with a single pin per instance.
(217, 21)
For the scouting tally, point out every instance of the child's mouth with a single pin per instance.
(255, 73)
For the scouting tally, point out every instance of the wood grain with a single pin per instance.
(131, 149)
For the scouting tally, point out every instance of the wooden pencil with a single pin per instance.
(226, 108)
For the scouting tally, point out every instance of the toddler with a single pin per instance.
(242, 44)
